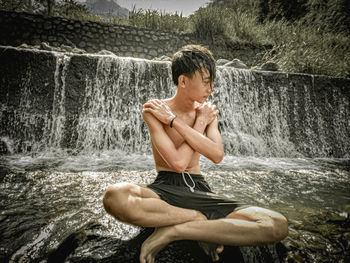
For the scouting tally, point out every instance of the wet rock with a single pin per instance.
(66, 48)
(3, 148)
(222, 61)
(345, 240)
(318, 238)
(105, 52)
(163, 58)
(6, 146)
(346, 209)
(109, 249)
(67, 247)
(62, 48)
(24, 45)
(46, 46)
(79, 51)
(338, 218)
(295, 258)
(236, 63)
(270, 66)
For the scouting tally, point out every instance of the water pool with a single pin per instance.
(51, 209)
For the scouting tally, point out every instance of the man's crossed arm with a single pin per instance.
(156, 113)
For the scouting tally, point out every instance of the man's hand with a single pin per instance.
(160, 110)
(206, 112)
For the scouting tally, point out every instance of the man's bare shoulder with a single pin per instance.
(150, 120)
(148, 116)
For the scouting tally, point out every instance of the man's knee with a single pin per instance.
(280, 227)
(275, 228)
(116, 200)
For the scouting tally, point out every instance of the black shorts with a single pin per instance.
(174, 188)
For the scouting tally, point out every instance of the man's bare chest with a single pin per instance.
(174, 135)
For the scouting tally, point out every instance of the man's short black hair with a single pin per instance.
(191, 58)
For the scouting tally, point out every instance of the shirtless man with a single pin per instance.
(179, 203)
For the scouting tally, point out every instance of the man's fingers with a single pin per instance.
(148, 105)
(153, 102)
(150, 110)
(158, 102)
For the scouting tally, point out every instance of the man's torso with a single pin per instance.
(177, 139)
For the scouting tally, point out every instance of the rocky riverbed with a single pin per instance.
(51, 209)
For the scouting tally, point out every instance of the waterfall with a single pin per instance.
(35, 131)
(112, 105)
(93, 103)
(253, 119)
(54, 125)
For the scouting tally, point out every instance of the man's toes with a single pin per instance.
(219, 249)
(214, 256)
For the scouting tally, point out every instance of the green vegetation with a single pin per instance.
(301, 48)
(307, 36)
(310, 37)
(157, 20)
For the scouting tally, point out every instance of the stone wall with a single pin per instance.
(18, 28)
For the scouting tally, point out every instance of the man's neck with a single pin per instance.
(182, 105)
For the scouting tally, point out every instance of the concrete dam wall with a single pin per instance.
(18, 28)
(89, 102)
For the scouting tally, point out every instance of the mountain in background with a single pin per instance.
(106, 8)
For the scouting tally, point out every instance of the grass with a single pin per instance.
(153, 19)
(301, 48)
(158, 20)
(209, 23)
(298, 46)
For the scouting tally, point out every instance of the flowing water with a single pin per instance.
(50, 205)
(46, 198)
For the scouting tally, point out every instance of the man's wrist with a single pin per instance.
(201, 121)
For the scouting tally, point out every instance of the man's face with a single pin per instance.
(200, 86)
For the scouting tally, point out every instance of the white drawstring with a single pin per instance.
(194, 184)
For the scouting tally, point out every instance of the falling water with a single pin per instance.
(260, 114)
(253, 118)
(54, 129)
(30, 131)
(111, 111)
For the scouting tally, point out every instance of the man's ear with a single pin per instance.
(182, 81)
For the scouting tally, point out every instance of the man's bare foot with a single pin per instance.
(211, 249)
(155, 243)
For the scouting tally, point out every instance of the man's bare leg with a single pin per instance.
(141, 206)
(248, 226)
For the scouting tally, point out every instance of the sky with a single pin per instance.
(187, 7)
